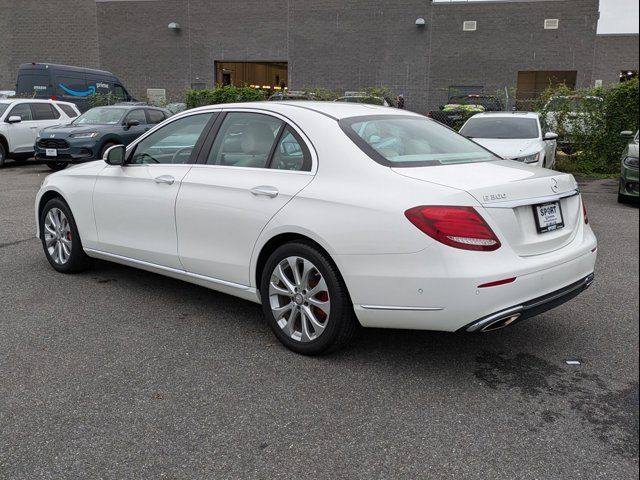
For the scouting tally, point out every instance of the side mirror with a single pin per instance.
(550, 136)
(625, 134)
(14, 119)
(132, 123)
(115, 155)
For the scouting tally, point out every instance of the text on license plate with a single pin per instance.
(51, 152)
(548, 217)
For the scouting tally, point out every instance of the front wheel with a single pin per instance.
(3, 155)
(305, 300)
(60, 238)
(55, 166)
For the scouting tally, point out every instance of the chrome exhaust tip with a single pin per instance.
(501, 323)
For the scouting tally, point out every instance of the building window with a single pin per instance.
(551, 24)
(469, 26)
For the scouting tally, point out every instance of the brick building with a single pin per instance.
(421, 48)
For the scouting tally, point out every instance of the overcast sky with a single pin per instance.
(618, 16)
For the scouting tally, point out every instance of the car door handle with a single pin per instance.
(168, 179)
(265, 191)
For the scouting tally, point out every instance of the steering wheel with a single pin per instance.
(179, 151)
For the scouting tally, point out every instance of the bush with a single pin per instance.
(594, 133)
(220, 94)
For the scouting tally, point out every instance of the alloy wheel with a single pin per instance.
(57, 236)
(299, 299)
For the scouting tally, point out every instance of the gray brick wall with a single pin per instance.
(328, 43)
(615, 53)
(46, 31)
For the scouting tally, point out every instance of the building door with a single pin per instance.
(532, 84)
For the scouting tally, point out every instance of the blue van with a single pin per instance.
(69, 84)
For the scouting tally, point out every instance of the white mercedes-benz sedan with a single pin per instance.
(331, 215)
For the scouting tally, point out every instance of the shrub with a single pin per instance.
(590, 122)
(223, 94)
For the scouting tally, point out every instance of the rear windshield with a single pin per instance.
(3, 107)
(501, 128)
(408, 141)
(100, 116)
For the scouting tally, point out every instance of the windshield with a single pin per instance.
(404, 141)
(3, 107)
(100, 116)
(504, 128)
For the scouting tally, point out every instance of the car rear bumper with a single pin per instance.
(445, 290)
(516, 314)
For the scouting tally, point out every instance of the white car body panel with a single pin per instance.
(208, 228)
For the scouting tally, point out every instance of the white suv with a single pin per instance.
(22, 119)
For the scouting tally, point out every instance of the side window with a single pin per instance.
(44, 111)
(67, 109)
(172, 143)
(21, 110)
(155, 116)
(136, 115)
(245, 140)
(291, 153)
(118, 92)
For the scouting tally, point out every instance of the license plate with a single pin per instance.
(548, 217)
(51, 152)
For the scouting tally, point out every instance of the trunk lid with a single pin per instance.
(509, 191)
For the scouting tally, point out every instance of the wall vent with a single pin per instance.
(551, 24)
(469, 26)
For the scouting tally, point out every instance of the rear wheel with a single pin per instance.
(60, 238)
(55, 166)
(305, 300)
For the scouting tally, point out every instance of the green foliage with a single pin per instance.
(223, 94)
(102, 99)
(589, 122)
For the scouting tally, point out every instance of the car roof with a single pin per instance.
(32, 100)
(129, 107)
(335, 110)
(507, 115)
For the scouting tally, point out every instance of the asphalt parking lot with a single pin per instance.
(118, 373)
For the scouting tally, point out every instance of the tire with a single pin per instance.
(3, 155)
(55, 166)
(335, 314)
(66, 238)
(104, 149)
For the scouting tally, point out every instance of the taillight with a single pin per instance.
(584, 212)
(458, 227)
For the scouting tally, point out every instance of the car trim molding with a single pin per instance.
(184, 273)
(400, 308)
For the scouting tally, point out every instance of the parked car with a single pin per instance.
(518, 136)
(363, 97)
(290, 95)
(628, 189)
(93, 132)
(328, 214)
(7, 93)
(459, 108)
(22, 119)
(568, 116)
(68, 83)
